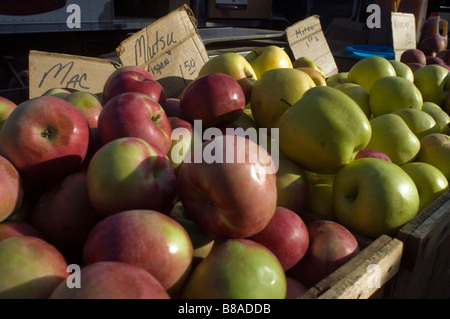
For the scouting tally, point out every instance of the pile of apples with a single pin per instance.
(254, 183)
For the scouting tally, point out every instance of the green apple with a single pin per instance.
(267, 58)
(420, 122)
(236, 66)
(391, 93)
(439, 115)
(367, 70)
(309, 63)
(237, 269)
(320, 194)
(316, 76)
(374, 197)
(6, 107)
(58, 92)
(435, 150)
(392, 136)
(275, 92)
(430, 181)
(324, 130)
(246, 120)
(428, 80)
(358, 94)
(340, 77)
(402, 70)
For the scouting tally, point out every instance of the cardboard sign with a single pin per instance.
(54, 70)
(306, 39)
(403, 32)
(170, 49)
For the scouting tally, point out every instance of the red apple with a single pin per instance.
(413, 56)
(64, 215)
(365, 152)
(6, 107)
(331, 246)
(10, 228)
(112, 280)
(11, 189)
(182, 141)
(286, 236)
(295, 288)
(415, 66)
(432, 45)
(45, 138)
(172, 107)
(231, 193)
(215, 98)
(133, 79)
(144, 238)
(30, 268)
(129, 173)
(135, 114)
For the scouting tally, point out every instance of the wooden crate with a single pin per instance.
(425, 268)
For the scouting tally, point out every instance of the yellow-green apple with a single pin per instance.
(374, 197)
(316, 76)
(215, 99)
(237, 269)
(365, 152)
(358, 94)
(133, 79)
(58, 92)
(11, 189)
(391, 93)
(309, 63)
(286, 236)
(428, 80)
(392, 136)
(236, 66)
(64, 216)
(30, 268)
(182, 140)
(267, 58)
(295, 288)
(435, 150)
(275, 92)
(402, 70)
(320, 192)
(430, 181)
(292, 185)
(324, 130)
(172, 107)
(11, 228)
(369, 69)
(144, 238)
(419, 122)
(331, 246)
(134, 114)
(129, 173)
(6, 107)
(45, 138)
(413, 56)
(112, 280)
(338, 78)
(439, 115)
(244, 200)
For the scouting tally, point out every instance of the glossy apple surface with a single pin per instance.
(435, 150)
(267, 58)
(6, 107)
(11, 189)
(10, 228)
(369, 69)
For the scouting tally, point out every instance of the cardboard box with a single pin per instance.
(255, 9)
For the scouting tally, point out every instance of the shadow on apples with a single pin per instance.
(43, 284)
(174, 85)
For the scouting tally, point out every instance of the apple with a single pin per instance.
(11, 189)
(129, 173)
(430, 181)
(295, 288)
(320, 193)
(391, 93)
(237, 269)
(58, 92)
(358, 94)
(415, 66)
(365, 152)
(233, 193)
(402, 70)
(369, 69)
(285, 236)
(215, 98)
(392, 136)
(182, 141)
(309, 63)
(331, 246)
(234, 65)
(324, 130)
(413, 56)
(435, 150)
(64, 215)
(316, 76)
(45, 138)
(145, 238)
(441, 117)
(428, 80)
(420, 122)
(6, 107)
(172, 107)
(267, 58)
(112, 280)
(432, 45)
(275, 92)
(338, 78)
(134, 114)
(30, 268)
(435, 60)
(133, 79)
(374, 197)
(10, 228)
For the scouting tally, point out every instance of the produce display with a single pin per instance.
(256, 182)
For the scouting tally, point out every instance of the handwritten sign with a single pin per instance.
(55, 70)
(403, 32)
(306, 39)
(170, 49)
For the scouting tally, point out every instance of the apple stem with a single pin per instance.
(284, 101)
(155, 118)
(46, 133)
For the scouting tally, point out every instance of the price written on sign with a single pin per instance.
(403, 32)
